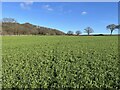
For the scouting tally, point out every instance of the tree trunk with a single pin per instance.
(111, 32)
(88, 33)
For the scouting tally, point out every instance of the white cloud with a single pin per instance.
(47, 7)
(26, 5)
(83, 13)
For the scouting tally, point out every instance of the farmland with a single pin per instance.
(60, 61)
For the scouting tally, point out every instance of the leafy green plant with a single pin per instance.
(60, 62)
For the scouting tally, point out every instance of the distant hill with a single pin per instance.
(27, 29)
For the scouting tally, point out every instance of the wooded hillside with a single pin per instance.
(11, 27)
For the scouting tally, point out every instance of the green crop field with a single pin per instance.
(60, 61)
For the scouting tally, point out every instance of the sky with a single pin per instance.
(65, 16)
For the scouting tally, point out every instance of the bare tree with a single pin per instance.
(78, 32)
(88, 30)
(9, 20)
(70, 32)
(111, 27)
(118, 26)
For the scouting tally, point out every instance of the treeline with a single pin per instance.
(11, 27)
(89, 30)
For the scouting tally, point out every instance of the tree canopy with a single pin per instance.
(111, 27)
(88, 30)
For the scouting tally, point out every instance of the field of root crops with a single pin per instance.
(60, 62)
